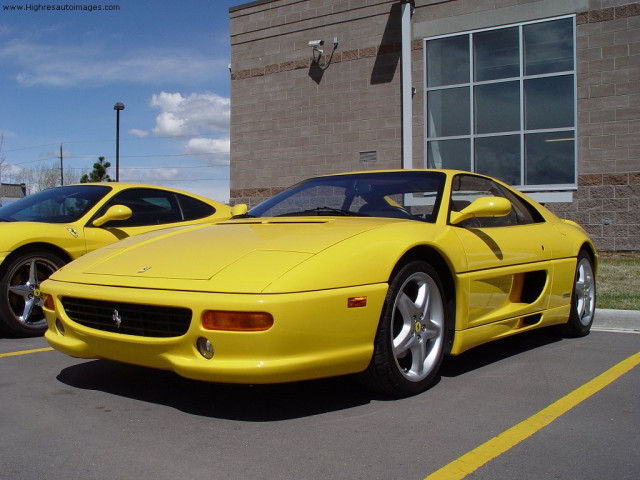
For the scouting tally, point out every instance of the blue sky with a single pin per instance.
(61, 72)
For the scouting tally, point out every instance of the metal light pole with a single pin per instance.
(117, 107)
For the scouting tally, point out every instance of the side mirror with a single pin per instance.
(115, 212)
(482, 207)
(239, 210)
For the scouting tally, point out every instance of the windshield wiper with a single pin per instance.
(322, 211)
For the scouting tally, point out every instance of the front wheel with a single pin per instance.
(20, 299)
(412, 333)
(583, 298)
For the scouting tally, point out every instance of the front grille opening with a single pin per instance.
(128, 318)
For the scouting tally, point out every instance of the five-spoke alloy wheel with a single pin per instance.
(583, 298)
(20, 297)
(412, 333)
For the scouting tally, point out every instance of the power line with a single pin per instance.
(157, 168)
(89, 157)
(134, 139)
(147, 180)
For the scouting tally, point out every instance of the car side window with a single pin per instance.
(467, 188)
(193, 209)
(148, 207)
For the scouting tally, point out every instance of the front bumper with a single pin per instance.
(314, 334)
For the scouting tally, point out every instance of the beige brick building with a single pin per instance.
(544, 94)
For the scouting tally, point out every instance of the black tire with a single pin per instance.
(583, 298)
(412, 334)
(20, 300)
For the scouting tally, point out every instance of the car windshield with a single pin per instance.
(55, 205)
(408, 195)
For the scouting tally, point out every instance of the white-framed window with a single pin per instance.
(502, 102)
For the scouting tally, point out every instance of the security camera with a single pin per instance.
(316, 43)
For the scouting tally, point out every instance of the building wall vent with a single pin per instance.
(369, 156)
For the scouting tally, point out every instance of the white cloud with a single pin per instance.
(138, 133)
(205, 146)
(215, 150)
(38, 62)
(191, 115)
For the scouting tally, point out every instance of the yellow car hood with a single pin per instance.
(236, 256)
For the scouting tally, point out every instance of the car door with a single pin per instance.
(152, 209)
(508, 258)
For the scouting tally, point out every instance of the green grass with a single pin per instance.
(618, 283)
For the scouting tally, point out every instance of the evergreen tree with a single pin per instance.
(99, 173)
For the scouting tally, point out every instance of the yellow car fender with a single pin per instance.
(58, 236)
(357, 260)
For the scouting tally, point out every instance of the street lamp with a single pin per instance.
(117, 107)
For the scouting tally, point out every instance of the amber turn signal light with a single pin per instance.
(48, 302)
(355, 302)
(237, 321)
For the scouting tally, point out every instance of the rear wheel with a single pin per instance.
(583, 298)
(20, 299)
(411, 337)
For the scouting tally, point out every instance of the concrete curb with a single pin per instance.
(623, 320)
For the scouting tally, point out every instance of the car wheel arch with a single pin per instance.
(591, 251)
(39, 247)
(438, 261)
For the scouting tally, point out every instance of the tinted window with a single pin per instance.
(149, 207)
(55, 205)
(407, 195)
(467, 188)
(193, 209)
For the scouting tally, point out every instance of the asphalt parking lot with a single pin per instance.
(531, 407)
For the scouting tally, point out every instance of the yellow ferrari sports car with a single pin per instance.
(42, 232)
(378, 273)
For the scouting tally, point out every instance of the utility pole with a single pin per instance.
(61, 168)
(118, 107)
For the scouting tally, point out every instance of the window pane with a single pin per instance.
(148, 207)
(499, 157)
(193, 209)
(549, 102)
(449, 154)
(497, 107)
(466, 189)
(448, 61)
(449, 112)
(496, 54)
(548, 47)
(549, 158)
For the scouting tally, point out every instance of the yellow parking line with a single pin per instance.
(479, 456)
(25, 352)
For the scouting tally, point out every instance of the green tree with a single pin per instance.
(99, 173)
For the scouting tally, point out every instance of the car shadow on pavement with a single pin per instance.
(252, 403)
(266, 403)
(499, 350)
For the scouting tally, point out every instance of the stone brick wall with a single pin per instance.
(608, 198)
(607, 205)
(293, 117)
